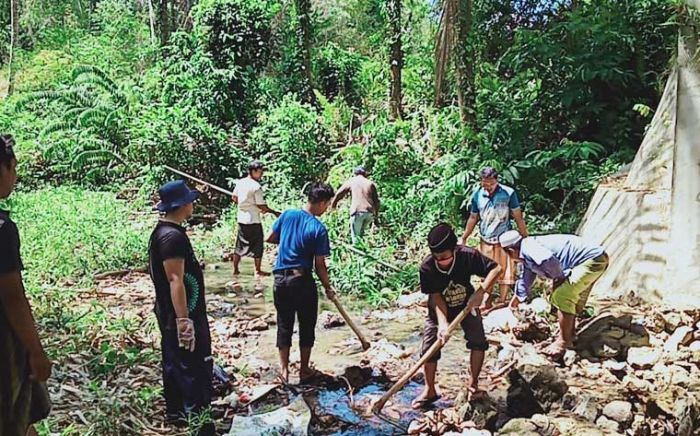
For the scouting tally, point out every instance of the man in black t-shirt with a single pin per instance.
(445, 276)
(181, 309)
(24, 367)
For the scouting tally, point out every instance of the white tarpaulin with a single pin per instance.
(290, 420)
(650, 224)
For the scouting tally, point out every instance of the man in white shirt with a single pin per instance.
(248, 196)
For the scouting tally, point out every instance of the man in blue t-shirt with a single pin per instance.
(303, 246)
(492, 207)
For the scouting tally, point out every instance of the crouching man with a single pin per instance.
(181, 312)
(445, 276)
(573, 265)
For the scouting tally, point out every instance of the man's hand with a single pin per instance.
(442, 334)
(514, 303)
(330, 293)
(40, 366)
(185, 333)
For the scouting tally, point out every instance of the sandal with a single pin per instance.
(424, 403)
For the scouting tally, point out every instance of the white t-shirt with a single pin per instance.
(250, 195)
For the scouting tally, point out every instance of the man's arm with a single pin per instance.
(340, 194)
(438, 300)
(522, 287)
(322, 272)
(471, 224)
(476, 299)
(265, 209)
(175, 272)
(273, 238)
(520, 221)
(19, 315)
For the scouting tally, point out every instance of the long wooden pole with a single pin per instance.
(377, 407)
(203, 182)
(350, 322)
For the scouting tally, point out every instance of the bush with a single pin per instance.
(337, 74)
(292, 141)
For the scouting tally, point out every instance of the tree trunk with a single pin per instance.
(303, 8)
(152, 22)
(164, 23)
(186, 22)
(464, 63)
(14, 34)
(396, 58)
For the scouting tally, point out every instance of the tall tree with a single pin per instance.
(454, 37)
(395, 58)
(164, 22)
(304, 32)
(14, 34)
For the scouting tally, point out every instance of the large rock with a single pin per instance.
(694, 346)
(416, 298)
(683, 335)
(587, 408)
(553, 426)
(608, 424)
(618, 411)
(680, 404)
(482, 412)
(672, 320)
(533, 389)
(643, 357)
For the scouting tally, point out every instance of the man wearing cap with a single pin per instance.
(445, 275)
(24, 367)
(181, 309)
(573, 265)
(492, 206)
(303, 246)
(248, 195)
(364, 207)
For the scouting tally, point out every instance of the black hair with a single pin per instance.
(488, 173)
(318, 192)
(7, 152)
(255, 165)
(442, 238)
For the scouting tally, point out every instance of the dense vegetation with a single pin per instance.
(101, 93)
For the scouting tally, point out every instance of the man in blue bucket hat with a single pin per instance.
(181, 311)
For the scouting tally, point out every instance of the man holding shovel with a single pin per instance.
(445, 276)
(303, 246)
(248, 195)
(181, 310)
(573, 265)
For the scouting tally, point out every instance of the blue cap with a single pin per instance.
(175, 194)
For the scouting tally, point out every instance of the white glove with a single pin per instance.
(185, 333)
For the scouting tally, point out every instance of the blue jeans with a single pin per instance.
(359, 222)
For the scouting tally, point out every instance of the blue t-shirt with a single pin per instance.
(494, 211)
(301, 237)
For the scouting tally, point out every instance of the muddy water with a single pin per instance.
(338, 348)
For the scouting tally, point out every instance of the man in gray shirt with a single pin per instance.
(365, 202)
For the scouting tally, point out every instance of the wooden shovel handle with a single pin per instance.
(414, 369)
(350, 322)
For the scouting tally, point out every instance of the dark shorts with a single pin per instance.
(249, 241)
(295, 295)
(22, 401)
(472, 326)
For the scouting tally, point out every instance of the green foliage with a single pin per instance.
(69, 233)
(337, 74)
(291, 139)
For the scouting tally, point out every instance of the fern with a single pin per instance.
(90, 158)
(88, 74)
(92, 116)
(58, 126)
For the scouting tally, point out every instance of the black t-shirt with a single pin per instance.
(10, 259)
(455, 284)
(170, 241)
